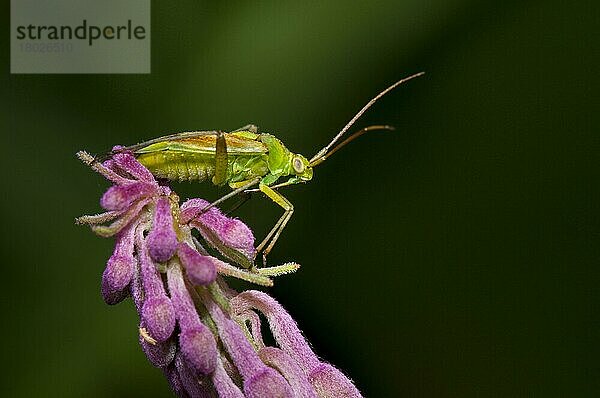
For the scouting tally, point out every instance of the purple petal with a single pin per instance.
(129, 164)
(259, 379)
(225, 387)
(196, 340)
(255, 326)
(195, 387)
(162, 239)
(159, 316)
(119, 197)
(124, 219)
(284, 328)
(175, 381)
(120, 267)
(325, 378)
(191, 208)
(217, 228)
(160, 354)
(136, 289)
(241, 352)
(151, 280)
(201, 270)
(116, 278)
(198, 347)
(281, 361)
(267, 383)
(330, 382)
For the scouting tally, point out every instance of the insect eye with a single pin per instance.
(298, 165)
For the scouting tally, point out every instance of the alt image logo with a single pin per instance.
(80, 36)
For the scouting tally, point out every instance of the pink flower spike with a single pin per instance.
(125, 218)
(162, 239)
(200, 269)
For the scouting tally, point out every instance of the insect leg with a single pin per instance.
(244, 197)
(220, 160)
(247, 184)
(273, 235)
(249, 127)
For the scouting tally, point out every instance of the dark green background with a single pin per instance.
(456, 257)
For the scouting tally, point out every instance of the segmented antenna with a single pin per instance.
(323, 151)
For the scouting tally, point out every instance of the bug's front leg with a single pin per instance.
(269, 241)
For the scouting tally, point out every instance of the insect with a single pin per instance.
(242, 159)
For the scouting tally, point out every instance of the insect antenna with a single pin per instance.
(316, 159)
(350, 139)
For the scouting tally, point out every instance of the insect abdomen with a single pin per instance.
(179, 166)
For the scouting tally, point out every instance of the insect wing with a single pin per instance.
(203, 142)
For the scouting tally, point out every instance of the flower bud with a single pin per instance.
(120, 268)
(116, 278)
(162, 239)
(201, 270)
(159, 317)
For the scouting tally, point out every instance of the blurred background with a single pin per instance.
(455, 257)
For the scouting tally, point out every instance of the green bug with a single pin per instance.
(242, 159)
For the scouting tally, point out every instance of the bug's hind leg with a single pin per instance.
(242, 187)
(269, 241)
(243, 198)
